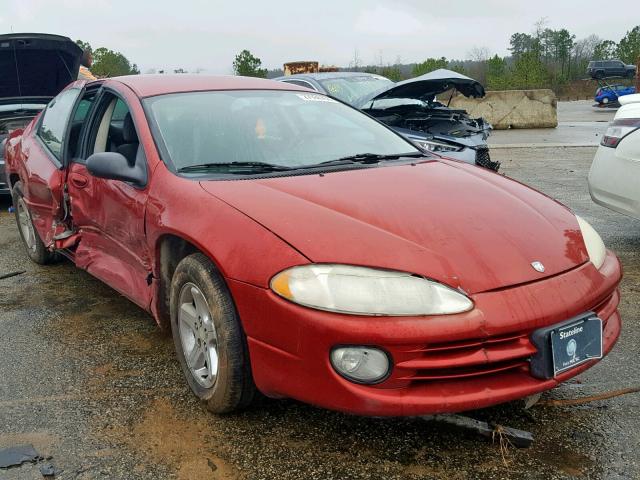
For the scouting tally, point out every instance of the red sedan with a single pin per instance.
(297, 247)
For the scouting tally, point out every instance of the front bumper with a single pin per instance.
(441, 364)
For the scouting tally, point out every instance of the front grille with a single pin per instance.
(483, 159)
(472, 358)
(468, 358)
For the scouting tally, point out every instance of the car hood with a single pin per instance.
(627, 99)
(36, 65)
(426, 86)
(460, 225)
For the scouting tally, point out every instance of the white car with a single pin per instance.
(614, 178)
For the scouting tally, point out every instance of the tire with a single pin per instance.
(31, 240)
(599, 75)
(210, 343)
(631, 74)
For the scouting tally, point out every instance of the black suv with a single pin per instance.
(610, 68)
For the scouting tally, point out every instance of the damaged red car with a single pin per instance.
(297, 247)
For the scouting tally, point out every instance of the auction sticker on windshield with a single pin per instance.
(314, 97)
(576, 343)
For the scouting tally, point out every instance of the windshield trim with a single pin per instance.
(165, 157)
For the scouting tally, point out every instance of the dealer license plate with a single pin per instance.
(576, 343)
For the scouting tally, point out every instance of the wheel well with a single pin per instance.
(13, 178)
(170, 251)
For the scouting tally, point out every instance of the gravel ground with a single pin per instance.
(86, 377)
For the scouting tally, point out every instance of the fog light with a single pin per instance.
(360, 364)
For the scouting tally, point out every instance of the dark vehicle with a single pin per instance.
(610, 68)
(34, 68)
(411, 108)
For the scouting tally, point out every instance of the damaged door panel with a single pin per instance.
(41, 162)
(108, 215)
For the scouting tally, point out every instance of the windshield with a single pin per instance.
(285, 128)
(350, 89)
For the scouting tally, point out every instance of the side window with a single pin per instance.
(120, 111)
(54, 120)
(79, 117)
(83, 108)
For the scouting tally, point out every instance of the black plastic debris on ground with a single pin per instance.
(16, 456)
(12, 274)
(518, 438)
(48, 470)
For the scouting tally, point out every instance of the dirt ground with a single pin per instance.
(86, 377)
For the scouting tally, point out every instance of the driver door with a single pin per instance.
(109, 214)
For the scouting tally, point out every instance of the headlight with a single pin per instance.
(433, 146)
(367, 291)
(593, 242)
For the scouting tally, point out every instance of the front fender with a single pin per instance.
(241, 248)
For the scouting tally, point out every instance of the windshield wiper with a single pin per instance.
(263, 167)
(366, 158)
(236, 167)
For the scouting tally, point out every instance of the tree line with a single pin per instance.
(109, 63)
(544, 58)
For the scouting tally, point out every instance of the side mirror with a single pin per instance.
(114, 166)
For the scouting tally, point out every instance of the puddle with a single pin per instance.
(571, 463)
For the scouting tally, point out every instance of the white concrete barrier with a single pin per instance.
(513, 108)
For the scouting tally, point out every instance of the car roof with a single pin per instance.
(330, 75)
(152, 85)
(30, 36)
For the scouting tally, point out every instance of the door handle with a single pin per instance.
(79, 181)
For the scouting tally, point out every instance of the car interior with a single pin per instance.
(117, 132)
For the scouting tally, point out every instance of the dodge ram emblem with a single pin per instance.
(538, 266)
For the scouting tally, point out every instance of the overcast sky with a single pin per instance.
(208, 34)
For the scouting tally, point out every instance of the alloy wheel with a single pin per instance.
(198, 335)
(26, 226)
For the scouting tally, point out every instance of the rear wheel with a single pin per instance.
(30, 238)
(631, 74)
(599, 74)
(210, 343)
